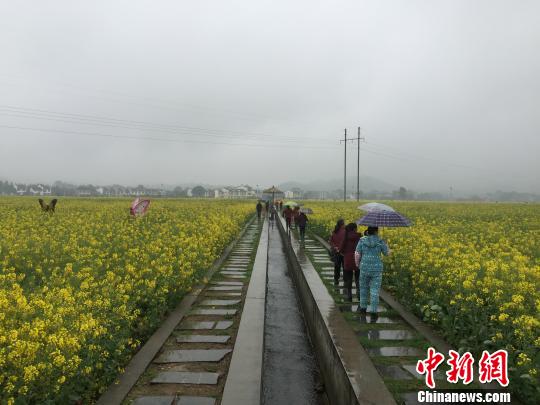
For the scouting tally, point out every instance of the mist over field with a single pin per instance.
(447, 94)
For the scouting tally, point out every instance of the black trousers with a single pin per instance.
(302, 232)
(338, 265)
(348, 278)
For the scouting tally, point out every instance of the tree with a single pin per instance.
(179, 192)
(198, 191)
(7, 188)
(402, 193)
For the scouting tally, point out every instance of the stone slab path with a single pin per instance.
(191, 367)
(392, 344)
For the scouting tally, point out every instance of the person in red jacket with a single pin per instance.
(296, 212)
(288, 214)
(336, 240)
(348, 247)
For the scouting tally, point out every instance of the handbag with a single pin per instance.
(333, 255)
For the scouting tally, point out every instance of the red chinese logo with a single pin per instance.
(429, 365)
(494, 367)
(490, 367)
(461, 368)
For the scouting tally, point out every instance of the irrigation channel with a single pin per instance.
(270, 327)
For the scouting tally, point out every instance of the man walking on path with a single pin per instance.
(259, 210)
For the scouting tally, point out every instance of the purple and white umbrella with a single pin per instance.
(139, 207)
(389, 219)
(375, 206)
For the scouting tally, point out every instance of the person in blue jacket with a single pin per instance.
(370, 248)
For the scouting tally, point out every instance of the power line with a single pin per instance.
(95, 134)
(178, 132)
(408, 157)
(131, 124)
(155, 103)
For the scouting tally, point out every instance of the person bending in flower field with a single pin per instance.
(348, 247)
(369, 249)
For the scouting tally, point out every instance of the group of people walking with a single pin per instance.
(259, 208)
(294, 217)
(359, 256)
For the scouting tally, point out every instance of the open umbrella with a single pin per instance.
(139, 207)
(306, 210)
(384, 218)
(291, 204)
(375, 206)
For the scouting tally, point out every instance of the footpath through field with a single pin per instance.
(394, 340)
(190, 367)
(240, 339)
(270, 327)
(291, 374)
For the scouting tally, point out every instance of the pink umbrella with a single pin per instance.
(139, 207)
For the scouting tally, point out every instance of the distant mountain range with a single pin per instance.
(367, 184)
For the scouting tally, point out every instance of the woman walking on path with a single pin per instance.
(302, 221)
(296, 212)
(288, 214)
(336, 240)
(350, 241)
(370, 249)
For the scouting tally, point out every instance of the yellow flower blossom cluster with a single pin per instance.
(472, 270)
(81, 289)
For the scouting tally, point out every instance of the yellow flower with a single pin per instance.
(74, 286)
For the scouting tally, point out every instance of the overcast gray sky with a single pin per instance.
(447, 92)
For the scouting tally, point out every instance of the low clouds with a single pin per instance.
(447, 93)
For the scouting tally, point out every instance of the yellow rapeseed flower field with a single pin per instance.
(472, 270)
(80, 289)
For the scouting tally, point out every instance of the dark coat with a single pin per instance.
(336, 240)
(301, 220)
(348, 248)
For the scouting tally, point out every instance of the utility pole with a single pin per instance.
(345, 168)
(358, 167)
(357, 139)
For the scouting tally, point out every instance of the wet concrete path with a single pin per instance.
(291, 374)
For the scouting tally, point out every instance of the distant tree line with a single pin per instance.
(7, 188)
(60, 188)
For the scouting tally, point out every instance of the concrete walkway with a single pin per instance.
(291, 374)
